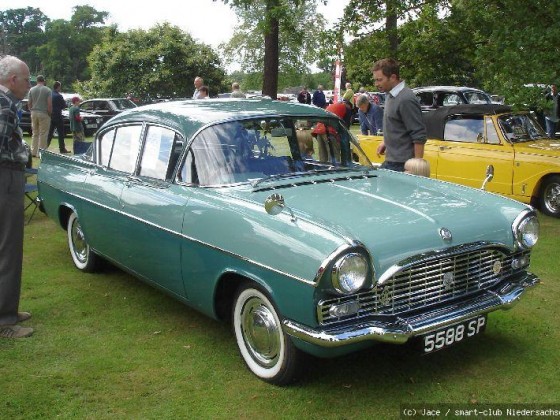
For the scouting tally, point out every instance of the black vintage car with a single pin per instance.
(107, 107)
(91, 122)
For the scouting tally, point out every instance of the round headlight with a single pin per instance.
(527, 233)
(350, 273)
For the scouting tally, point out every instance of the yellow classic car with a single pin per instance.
(467, 142)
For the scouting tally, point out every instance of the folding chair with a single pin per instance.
(30, 192)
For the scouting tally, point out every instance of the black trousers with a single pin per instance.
(58, 123)
(12, 185)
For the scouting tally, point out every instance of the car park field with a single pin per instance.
(109, 346)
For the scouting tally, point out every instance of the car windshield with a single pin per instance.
(259, 150)
(521, 127)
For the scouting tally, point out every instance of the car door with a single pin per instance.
(470, 145)
(151, 230)
(102, 218)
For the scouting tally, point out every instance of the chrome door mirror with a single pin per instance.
(489, 176)
(274, 204)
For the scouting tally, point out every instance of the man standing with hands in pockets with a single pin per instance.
(404, 131)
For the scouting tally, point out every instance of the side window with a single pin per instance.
(125, 149)
(104, 146)
(466, 130)
(451, 99)
(491, 133)
(88, 106)
(425, 98)
(162, 148)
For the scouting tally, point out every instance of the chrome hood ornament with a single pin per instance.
(445, 234)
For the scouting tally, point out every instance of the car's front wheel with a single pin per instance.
(266, 350)
(82, 255)
(550, 196)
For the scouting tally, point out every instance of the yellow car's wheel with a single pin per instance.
(550, 196)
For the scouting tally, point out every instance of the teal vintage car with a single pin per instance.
(256, 212)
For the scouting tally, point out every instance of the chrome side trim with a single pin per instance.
(190, 238)
(399, 330)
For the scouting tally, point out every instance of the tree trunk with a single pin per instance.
(271, 51)
(391, 27)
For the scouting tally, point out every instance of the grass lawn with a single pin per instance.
(108, 346)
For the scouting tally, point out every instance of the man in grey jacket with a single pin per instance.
(404, 131)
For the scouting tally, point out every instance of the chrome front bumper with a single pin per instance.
(401, 328)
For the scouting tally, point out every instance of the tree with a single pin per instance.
(64, 54)
(507, 58)
(161, 62)
(366, 17)
(289, 30)
(22, 31)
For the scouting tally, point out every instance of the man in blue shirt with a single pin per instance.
(370, 116)
(58, 104)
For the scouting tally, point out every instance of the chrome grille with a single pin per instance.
(429, 282)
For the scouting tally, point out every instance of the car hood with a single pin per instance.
(547, 147)
(397, 215)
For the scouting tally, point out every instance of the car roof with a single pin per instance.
(446, 89)
(435, 120)
(104, 99)
(189, 116)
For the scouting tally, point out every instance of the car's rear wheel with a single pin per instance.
(82, 255)
(266, 350)
(549, 199)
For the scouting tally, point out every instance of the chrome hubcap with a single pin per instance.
(78, 242)
(261, 332)
(552, 198)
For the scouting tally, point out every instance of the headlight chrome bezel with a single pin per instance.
(526, 230)
(343, 284)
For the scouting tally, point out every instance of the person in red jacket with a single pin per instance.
(342, 110)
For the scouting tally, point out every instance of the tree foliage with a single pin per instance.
(160, 62)
(23, 32)
(498, 45)
(290, 31)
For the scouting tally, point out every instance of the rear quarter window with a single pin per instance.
(465, 130)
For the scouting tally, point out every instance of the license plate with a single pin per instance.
(453, 334)
(91, 125)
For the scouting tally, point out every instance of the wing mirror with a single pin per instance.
(489, 176)
(275, 204)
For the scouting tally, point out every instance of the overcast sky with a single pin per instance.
(210, 22)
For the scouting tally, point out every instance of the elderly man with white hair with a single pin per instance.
(14, 154)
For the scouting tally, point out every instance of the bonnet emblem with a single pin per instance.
(445, 234)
